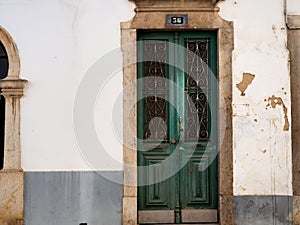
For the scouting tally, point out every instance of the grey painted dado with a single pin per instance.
(263, 210)
(71, 198)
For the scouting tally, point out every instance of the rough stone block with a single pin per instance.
(11, 198)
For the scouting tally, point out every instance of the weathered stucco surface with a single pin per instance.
(261, 133)
(247, 80)
(273, 102)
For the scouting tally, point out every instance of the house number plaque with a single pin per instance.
(177, 20)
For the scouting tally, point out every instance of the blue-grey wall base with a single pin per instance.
(263, 210)
(71, 198)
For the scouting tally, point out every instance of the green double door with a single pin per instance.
(177, 128)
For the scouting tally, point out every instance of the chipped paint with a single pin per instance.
(273, 102)
(243, 85)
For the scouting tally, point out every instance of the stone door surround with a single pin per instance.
(202, 15)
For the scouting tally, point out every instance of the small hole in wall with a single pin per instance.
(83, 224)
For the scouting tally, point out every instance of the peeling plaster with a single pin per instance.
(243, 85)
(273, 102)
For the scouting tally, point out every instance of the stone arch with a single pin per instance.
(12, 53)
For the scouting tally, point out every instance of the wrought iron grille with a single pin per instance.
(196, 88)
(156, 89)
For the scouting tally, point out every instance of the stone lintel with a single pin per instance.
(176, 9)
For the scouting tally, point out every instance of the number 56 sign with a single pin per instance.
(176, 20)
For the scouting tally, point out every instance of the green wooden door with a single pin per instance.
(177, 127)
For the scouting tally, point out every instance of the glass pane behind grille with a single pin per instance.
(155, 89)
(196, 88)
(196, 60)
(156, 129)
(196, 116)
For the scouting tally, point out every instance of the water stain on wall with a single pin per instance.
(273, 102)
(247, 80)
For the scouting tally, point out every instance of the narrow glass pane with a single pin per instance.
(196, 116)
(155, 58)
(155, 89)
(196, 61)
(196, 86)
(156, 127)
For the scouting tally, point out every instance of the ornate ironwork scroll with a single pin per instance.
(196, 109)
(196, 87)
(197, 59)
(155, 89)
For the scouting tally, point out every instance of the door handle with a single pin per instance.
(180, 129)
(173, 141)
(180, 121)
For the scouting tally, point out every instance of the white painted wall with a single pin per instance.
(262, 150)
(58, 41)
(293, 7)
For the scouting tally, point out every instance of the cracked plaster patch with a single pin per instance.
(247, 80)
(273, 102)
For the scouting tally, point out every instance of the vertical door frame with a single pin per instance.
(293, 42)
(155, 20)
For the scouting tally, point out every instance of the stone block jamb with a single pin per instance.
(293, 42)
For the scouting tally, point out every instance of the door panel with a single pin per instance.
(197, 189)
(177, 122)
(198, 183)
(157, 194)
